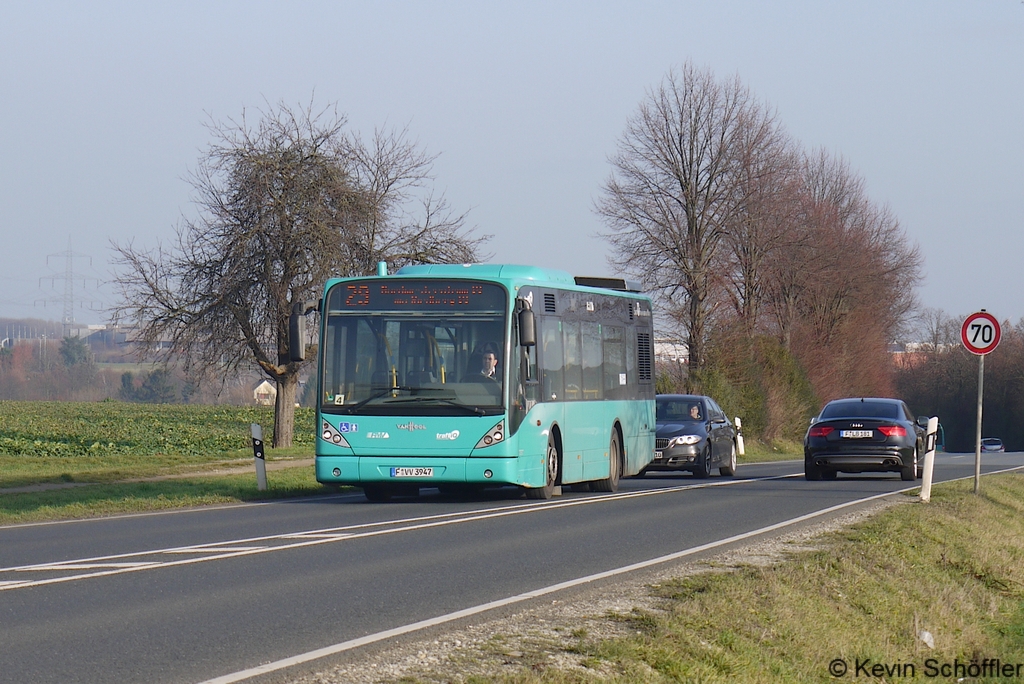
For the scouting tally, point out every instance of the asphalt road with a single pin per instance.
(189, 596)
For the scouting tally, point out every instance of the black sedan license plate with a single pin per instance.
(856, 434)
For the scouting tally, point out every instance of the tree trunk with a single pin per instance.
(284, 410)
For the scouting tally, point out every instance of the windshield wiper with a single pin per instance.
(377, 395)
(410, 400)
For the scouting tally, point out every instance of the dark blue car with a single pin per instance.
(693, 434)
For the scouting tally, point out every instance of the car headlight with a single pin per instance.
(683, 440)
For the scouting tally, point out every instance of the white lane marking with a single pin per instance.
(214, 549)
(81, 566)
(311, 535)
(326, 536)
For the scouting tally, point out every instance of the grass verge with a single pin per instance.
(95, 500)
(756, 451)
(860, 603)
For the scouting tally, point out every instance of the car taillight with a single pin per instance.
(893, 430)
(820, 431)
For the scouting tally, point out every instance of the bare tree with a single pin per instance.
(937, 330)
(827, 194)
(284, 204)
(676, 188)
(407, 223)
(844, 287)
(765, 221)
(861, 253)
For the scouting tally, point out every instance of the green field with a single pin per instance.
(119, 450)
(109, 440)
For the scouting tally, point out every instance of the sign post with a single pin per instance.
(980, 334)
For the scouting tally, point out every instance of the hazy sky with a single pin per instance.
(103, 105)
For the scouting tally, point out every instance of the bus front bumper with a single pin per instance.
(359, 470)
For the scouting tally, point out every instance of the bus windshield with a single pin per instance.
(417, 358)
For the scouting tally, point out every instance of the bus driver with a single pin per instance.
(489, 366)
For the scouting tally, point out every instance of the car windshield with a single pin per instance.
(991, 441)
(860, 409)
(679, 410)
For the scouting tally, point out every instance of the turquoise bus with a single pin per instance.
(465, 376)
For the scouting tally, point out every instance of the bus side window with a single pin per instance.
(573, 364)
(551, 359)
(632, 390)
(593, 361)
(614, 363)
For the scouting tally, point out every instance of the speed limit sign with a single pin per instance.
(980, 333)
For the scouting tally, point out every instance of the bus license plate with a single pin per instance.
(412, 472)
(856, 434)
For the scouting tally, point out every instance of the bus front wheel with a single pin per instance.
(551, 464)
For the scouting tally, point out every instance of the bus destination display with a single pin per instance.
(417, 294)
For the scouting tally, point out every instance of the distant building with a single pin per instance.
(96, 335)
(265, 393)
(912, 354)
(671, 351)
(132, 337)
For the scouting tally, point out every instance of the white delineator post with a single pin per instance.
(929, 458)
(258, 457)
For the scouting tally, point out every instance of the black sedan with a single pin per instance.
(864, 435)
(693, 434)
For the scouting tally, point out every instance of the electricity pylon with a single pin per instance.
(69, 278)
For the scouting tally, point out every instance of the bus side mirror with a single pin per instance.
(297, 330)
(527, 328)
(297, 336)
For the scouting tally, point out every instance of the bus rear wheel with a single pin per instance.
(551, 464)
(611, 483)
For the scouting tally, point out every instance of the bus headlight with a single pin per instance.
(493, 436)
(332, 436)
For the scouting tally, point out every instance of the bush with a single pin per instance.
(760, 381)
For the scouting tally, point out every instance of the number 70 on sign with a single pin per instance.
(980, 333)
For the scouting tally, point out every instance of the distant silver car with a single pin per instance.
(992, 444)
